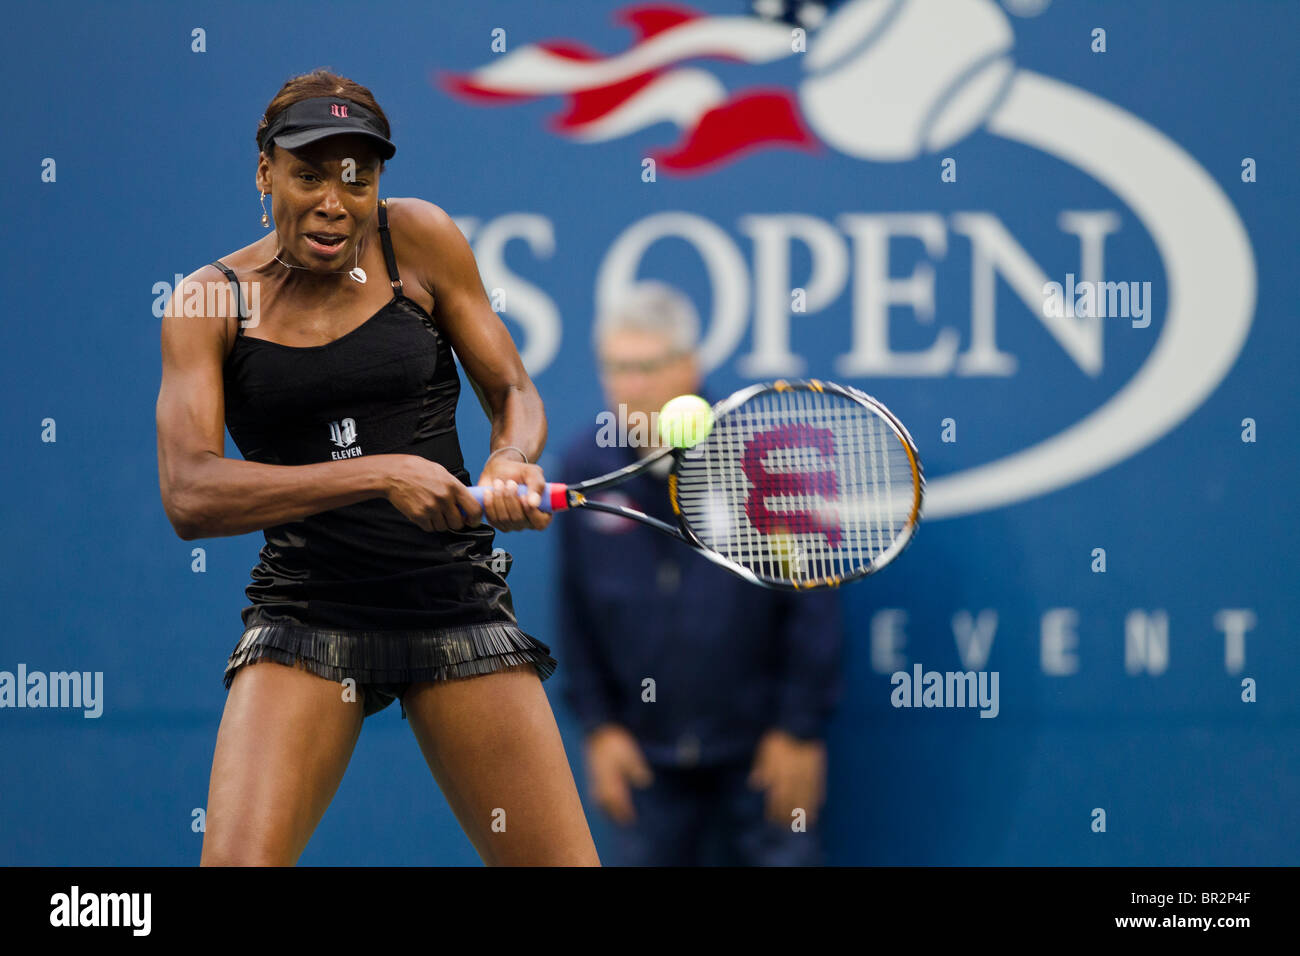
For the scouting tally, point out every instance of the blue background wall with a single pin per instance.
(155, 162)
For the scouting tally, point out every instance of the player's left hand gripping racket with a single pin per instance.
(798, 485)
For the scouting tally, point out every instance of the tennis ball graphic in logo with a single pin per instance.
(890, 79)
(685, 421)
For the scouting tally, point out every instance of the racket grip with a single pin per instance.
(554, 498)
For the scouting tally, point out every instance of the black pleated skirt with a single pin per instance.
(383, 664)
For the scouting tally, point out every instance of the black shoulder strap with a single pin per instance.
(387, 241)
(239, 302)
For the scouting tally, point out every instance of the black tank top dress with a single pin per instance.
(361, 591)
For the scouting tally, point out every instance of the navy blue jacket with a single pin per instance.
(729, 659)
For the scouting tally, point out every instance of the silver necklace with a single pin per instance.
(357, 273)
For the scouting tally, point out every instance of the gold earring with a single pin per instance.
(266, 221)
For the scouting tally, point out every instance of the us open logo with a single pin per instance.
(950, 72)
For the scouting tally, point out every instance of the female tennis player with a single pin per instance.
(333, 370)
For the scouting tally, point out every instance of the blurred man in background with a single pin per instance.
(703, 699)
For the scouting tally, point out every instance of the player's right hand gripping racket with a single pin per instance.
(802, 484)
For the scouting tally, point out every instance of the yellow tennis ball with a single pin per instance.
(685, 421)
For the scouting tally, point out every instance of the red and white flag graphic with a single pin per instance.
(612, 96)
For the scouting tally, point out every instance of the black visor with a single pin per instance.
(309, 120)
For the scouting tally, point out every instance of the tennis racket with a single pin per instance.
(800, 484)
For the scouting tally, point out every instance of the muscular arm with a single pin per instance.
(476, 333)
(204, 493)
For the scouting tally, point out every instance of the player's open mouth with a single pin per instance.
(325, 243)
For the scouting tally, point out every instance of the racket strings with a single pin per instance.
(800, 486)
